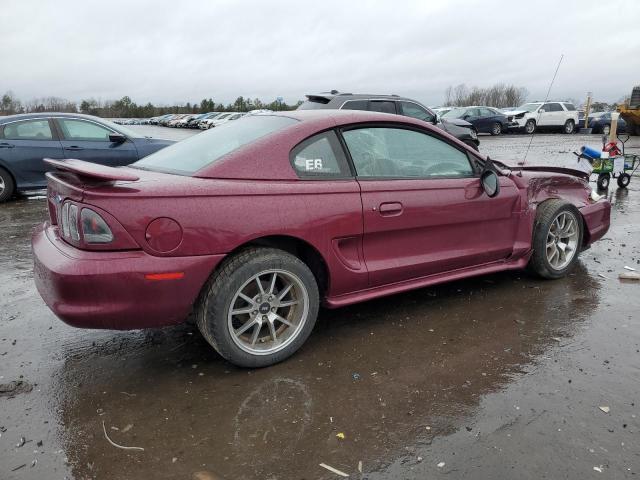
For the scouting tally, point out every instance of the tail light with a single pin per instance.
(94, 228)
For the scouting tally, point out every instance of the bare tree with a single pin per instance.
(499, 95)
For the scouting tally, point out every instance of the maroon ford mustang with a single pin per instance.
(253, 224)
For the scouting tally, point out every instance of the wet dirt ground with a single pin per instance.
(497, 377)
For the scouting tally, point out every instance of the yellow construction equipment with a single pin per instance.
(631, 112)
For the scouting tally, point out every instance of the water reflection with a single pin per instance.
(380, 373)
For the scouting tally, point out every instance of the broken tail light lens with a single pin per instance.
(94, 228)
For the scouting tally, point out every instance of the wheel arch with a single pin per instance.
(298, 247)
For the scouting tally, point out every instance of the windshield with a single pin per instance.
(190, 155)
(529, 107)
(454, 113)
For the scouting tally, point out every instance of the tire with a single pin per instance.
(236, 280)
(603, 181)
(623, 180)
(530, 127)
(606, 129)
(7, 185)
(569, 127)
(547, 259)
(496, 128)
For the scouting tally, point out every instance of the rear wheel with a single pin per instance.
(7, 185)
(603, 181)
(259, 308)
(496, 129)
(530, 126)
(557, 239)
(623, 180)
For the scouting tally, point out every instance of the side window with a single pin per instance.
(556, 107)
(382, 106)
(320, 156)
(413, 110)
(396, 152)
(81, 130)
(487, 112)
(547, 107)
(355, 105)
(570, 107)
(28, 130)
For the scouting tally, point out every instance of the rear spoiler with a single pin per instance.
(92, 170)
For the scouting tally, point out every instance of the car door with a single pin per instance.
(487, 119)
(88, 140)
(424, 210)
(547, 117)
(23, 145)
(472, 115)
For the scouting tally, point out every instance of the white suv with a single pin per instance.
(534, 115)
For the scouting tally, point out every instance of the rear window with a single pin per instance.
(190, 155)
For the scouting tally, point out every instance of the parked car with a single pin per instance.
(175, 121)
(195, 120)
(460, 129)
(206, 124)
(223, 118)
(600, 122)
(483, 119)
(26, 139)
(252, 225)
(202, 122)
(540, 115)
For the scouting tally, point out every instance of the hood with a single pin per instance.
(544, 169)
(515, 112)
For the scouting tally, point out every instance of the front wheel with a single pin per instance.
(557, 239)
(623, 180)
(603, 181)
(259, 308)
(569, 126)
(530, 127)
(496, 129)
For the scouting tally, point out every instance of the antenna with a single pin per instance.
(538, 117)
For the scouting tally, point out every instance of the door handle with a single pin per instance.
(390, 209)
(6, 145)
(73, 147)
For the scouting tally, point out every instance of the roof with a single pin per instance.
(334, 94)
(26, 116)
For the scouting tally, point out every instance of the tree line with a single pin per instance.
(127, 108)
(499, 95)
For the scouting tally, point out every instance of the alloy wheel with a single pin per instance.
(562, 240)
(2, 185)
(268, 312)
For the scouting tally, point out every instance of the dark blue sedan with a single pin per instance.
(26, 139)
(483, 119)
(600, 122)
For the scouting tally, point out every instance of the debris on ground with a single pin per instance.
(629, 276)
(104, 429)
(631, 269)
(441, 464)
(598, 469)
(605, 409)
(15, 387)
(334, 470)
(360, 466)
(19, 467)
(21, 442)
(340, 435)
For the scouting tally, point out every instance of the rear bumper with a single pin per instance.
(597, 218)
(109, 289)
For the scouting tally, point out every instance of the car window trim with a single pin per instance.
(347, 171)
(54, 133)
(426, 109)
(475, 162)
(63, 137)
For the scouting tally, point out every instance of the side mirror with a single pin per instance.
(117, 138)
(490, 183)
(542, 110)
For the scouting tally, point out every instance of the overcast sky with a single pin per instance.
(178, 51)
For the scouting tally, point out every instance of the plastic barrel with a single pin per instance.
(590, 152)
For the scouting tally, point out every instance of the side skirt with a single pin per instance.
(392, 289)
